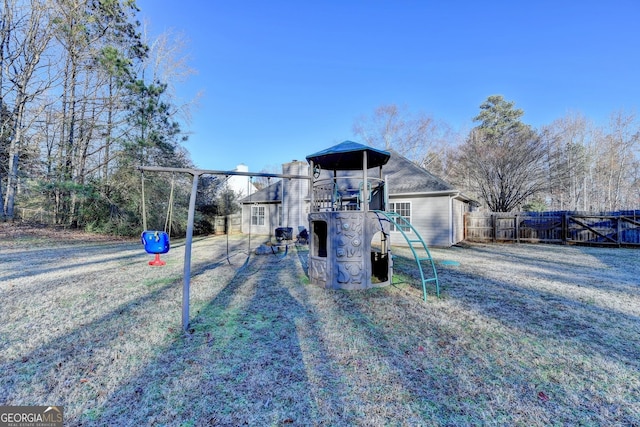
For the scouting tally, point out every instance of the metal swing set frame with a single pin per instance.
(196, 174)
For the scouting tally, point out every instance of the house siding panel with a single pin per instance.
(430, 216)
(270, 220)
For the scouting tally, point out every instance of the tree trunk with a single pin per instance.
(2, 212)
(14, 156)
(11, 187)
(33, 40)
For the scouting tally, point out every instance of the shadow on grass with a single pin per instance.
(264, 351)
(549, 262)
(610, 332)
(57, 367)
(544, 321)
(49, 260)
(65, 367)
(240, 364)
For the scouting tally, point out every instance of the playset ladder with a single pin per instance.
(418, 248)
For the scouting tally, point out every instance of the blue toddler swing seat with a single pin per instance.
(157, 242)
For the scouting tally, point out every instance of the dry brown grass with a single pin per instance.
(527, 335)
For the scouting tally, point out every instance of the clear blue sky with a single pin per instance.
(283, 79)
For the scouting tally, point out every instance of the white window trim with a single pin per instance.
(394, 203)
(255, 213)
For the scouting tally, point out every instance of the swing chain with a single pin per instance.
(169, 217)
(144, 210)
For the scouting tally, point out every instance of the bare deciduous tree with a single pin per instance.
(169, 61)
(422, 139)
(25, 37)
(616, 162)
(569, 154)
(502, 160)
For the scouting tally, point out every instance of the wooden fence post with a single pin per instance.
(565, 228)
(465, 218)
(494, 226)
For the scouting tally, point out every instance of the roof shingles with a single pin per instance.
(404, 177)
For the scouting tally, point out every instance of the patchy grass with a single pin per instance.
(529, 335)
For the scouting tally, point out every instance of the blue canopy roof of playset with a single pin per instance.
(348, 155)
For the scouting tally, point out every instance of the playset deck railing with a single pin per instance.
(347, 194)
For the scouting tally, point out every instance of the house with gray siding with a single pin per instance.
(435, 208)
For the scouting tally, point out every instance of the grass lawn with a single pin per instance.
(529, 335)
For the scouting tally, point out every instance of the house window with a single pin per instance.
(257, 215)
(404, 210)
